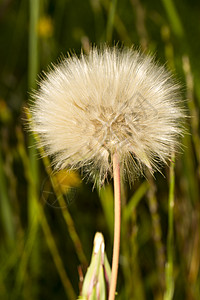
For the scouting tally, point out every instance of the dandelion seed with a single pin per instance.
(112, 100)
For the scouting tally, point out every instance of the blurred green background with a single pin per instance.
(47, 222)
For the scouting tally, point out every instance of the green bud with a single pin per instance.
(97, 279)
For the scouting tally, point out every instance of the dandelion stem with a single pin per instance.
(116, 247)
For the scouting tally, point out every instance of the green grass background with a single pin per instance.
(46, 229)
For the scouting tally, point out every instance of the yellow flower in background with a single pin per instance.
(66, 180)
(5, 113)
(45, 27)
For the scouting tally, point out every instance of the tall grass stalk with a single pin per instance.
(140, 19)
(110, 23)
(33, 55)
(136, 281)
(20, 279)
(32, 73)
(106, 197)
(174, 18)
(56, 256)
(169, 271)
(5, 205)
(118, 24)
(130, 248)
(157, 236)
(134, 201)
(192, 108)
(33, 184)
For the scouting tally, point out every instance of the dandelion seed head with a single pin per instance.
(111, 100)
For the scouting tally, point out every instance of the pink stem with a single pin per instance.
(116, 246)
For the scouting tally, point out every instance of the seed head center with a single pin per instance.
(111, 129)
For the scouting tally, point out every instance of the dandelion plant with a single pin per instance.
(114, 113)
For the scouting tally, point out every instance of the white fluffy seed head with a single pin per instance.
(111, 100)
